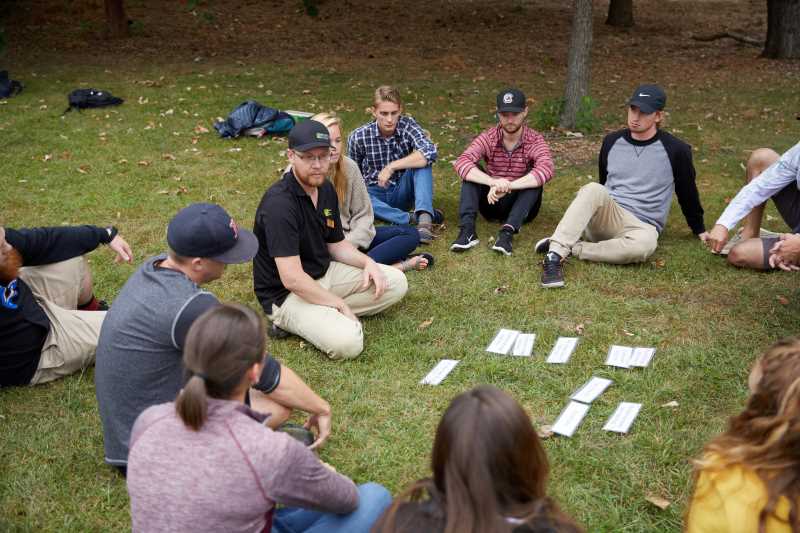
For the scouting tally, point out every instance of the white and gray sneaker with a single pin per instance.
(467, 238)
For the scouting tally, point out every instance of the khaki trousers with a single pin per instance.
(609, 232)
(72, 342)
(326, 328)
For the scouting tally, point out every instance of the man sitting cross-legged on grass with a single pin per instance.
(395, 156)
(49, 317)
(518, 164)
(769, 176)
(309, 279)
(619, 219)
(142, 339)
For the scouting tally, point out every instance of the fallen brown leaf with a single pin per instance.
(658, 501)
(168, 157)
(122, 161)
(425, 323)
(200, 129)
(501, 289)
(144, 163)
(163, 191)
(47, 157)
(580, 329)
(545, 432)
(628, 333)
(783, 300)
(83, 169)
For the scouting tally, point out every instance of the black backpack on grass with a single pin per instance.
(89, 98)
(8, 87)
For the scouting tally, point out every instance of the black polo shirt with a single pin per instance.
(288, 224)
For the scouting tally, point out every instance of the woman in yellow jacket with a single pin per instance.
(748, 479)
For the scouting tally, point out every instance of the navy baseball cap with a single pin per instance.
(208, 231)
(649, 98)
(309, 134)
(511, 100)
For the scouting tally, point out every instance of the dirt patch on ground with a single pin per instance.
(506, 39)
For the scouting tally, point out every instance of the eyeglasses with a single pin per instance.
(311, 159)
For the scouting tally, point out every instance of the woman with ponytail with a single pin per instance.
(489, 474)
(389, 245)
(208, 463)
(748, 479)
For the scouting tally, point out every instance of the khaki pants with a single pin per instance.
(326, 328)
(610, 233)
(71, 344)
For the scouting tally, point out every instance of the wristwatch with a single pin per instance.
(112, 232)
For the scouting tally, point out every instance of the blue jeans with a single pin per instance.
(373, 499)
(392, 244)
(413, 189)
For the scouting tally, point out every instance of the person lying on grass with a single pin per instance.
(49, 317)
(389, 245)
(309, 279)
(748, 478)
(142, 339)
(206, 462)
(769, 175)
(489, 474)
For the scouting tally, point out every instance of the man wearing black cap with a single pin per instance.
(517, 165)
(139, 355)
(309, 279)
(619, 219)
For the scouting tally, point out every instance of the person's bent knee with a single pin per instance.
(375, 494)
(592, 188)
(347, 345)
(759, 160)
(740, 257)
(396, 286)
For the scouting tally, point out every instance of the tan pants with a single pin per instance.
(610, 233)
(71, 344)
(326, 328)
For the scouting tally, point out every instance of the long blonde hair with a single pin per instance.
(339, 177)
(765, 437)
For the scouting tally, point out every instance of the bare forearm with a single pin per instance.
(345, 252)
(312, 292)
(476, 175)
(413, 160)
(293, 392)
(528, 181)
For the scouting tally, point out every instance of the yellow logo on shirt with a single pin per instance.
(327, 212)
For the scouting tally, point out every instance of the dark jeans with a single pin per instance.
(515, 208)
(393, 243)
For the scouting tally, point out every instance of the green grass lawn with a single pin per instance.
(136, 165)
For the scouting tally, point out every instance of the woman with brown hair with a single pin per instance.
(206, 462)
(389, 245)
(489, 474)
(748, 479)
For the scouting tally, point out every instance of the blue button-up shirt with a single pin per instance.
(372, 151)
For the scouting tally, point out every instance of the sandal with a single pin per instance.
(406, 264)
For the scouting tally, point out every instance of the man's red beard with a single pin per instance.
(9, 268)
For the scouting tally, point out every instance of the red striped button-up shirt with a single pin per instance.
(530, 156)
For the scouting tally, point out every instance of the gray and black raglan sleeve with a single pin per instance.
(680, 157)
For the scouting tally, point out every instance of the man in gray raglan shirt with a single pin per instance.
(619, 219)
(139, 353)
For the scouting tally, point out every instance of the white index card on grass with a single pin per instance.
(591, 390)
(619, 356)
(523, 346)
(562, 350)
(503, 341)
(623, 417)
(641, 356)
(570, 418)
(439, 372)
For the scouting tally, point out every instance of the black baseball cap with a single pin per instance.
(511, 100)
(649, 98)
(207, 230)
(309, 134)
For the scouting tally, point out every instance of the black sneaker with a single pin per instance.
(467, 238)
(503, 242)
(102, 305)
(542, 246)
(552, 271)
(297, 432)
(274, 332)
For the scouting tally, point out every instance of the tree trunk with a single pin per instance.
(579, 65)
(115, 16)
(783, 29)
(620, 13)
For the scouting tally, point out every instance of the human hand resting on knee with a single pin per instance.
(717, 238)
(373, 272)
(494, 195)
(785, 254)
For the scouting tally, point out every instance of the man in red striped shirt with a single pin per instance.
(517, 164)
